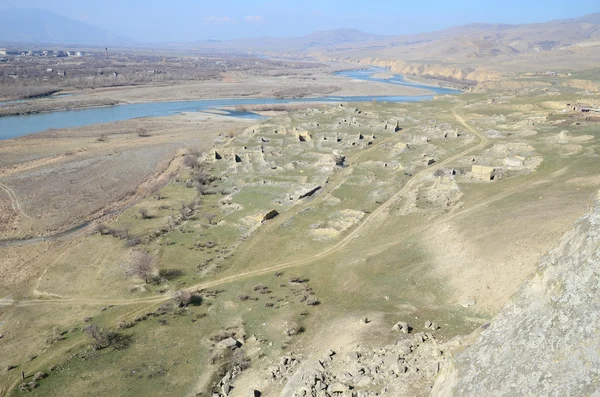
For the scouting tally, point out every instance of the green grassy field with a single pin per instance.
(223, 250)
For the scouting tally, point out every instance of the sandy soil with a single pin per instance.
(247, 87)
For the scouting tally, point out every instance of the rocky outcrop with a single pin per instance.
(545, 341)
(309, 193)
(270, 215)
(435, 70)
(406, 368)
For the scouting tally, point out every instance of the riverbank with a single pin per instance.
(94, 169)
(310, 84)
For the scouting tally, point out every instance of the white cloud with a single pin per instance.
(216, 20)
(254, 19)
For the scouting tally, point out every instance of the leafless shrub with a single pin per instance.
(100, 338)
(170, 274)
(261, 289)
(144, 213)
(122, 234)
(126, 325)
(210, 218)
(190, 161)
(134, 241)
(244, 297)
(183, 297)
(102, 229)
(142, 132)
(142, 265)
(297, 280)
(186, 211)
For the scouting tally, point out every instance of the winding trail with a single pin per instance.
(373, 217)
(14, 201)
(147, 302)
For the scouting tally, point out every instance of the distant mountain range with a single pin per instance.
(462, 42)
(35, 26)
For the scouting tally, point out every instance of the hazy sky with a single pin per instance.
(189, 20)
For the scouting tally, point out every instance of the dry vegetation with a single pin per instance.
(317, 229)
(28, 76)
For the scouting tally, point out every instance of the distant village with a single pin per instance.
(39, 53)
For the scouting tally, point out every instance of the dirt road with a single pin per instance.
(373, 217)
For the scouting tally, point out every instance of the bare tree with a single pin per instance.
(210, 217)
(100, 338)
(186, 211)
(142, 265)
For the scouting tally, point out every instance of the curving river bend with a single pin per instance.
(15, 126)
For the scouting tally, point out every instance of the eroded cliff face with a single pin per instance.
(546, 341)
(435, 70)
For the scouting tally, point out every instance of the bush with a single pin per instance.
(210, 218)
(102, 229)
(190, 161)
(134, 241)
(100, 338)
(297, 280)
(144, 213)
(183, 298)
(142, 265)
(244, 298)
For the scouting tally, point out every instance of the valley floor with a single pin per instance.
(315, 234)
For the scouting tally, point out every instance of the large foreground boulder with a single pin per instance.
(546, 341)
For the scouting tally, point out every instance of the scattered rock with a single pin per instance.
(468, 302)
(308, 370)
(270, 215)
(226, 389)
(229, 343)
(432, 326)
(401, 326)
(337, 387)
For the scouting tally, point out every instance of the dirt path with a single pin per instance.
(14, 201)
(374, 216)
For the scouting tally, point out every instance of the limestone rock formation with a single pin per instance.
(545, 341)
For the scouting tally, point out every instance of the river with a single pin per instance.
(15, 126)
